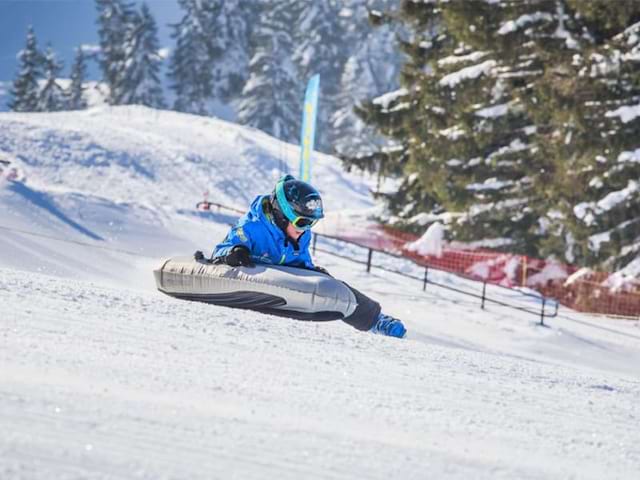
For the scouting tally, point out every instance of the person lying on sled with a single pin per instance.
(276, 231)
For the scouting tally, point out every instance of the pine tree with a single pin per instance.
(320, 48)
(190, 64)
(370, 67)
(272, 97)
(52, 96)
(593, 121)
(524, 116)
(75, 92)
(488, 151)
(115, 18)
(209, 65)
(230, 34)
(140, 82)
(25, 88)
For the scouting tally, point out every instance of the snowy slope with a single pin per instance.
(103, 377)
(129, 177)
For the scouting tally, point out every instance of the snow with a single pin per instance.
(452, 133)
(626, 113)
(90, 49)
(629, 156)
(522, 21)
(494, 111)
(424, 218)
(515, 146)
(596, 241)
(490, 184)
(550, 272)
(467, 73)
(632, 269)
(104, 377)
(164, 53)
(388, 98)
(431, 241)
(454, 59)
(617, 197)
(580, 274)
(561, 31)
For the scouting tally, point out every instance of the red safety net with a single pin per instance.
(593, 292)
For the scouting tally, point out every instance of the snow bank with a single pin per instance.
(550, 272)
(430, 243)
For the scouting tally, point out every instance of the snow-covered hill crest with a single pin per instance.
(161, 158)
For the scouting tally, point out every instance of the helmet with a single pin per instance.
(298, 201)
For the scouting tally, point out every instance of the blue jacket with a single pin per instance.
(265, 240)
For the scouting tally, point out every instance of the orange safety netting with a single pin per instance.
(589, 293)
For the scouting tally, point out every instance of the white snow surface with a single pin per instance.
(103, 377)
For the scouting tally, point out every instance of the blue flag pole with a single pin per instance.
(307, 136)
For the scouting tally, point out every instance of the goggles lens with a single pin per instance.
(304, 223)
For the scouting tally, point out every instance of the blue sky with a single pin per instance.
(65, 24)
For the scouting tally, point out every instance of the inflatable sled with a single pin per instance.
(286, 291)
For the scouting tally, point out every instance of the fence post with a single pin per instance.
(315, 240)
(544, 301)
(426, 274)
(524, 271)
(369, 260)
(484, 291)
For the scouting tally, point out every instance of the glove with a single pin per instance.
(199, 257)
(321, 270)
(239, 257)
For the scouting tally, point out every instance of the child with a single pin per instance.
(276, 231)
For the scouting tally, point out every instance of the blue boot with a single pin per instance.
(389, 326)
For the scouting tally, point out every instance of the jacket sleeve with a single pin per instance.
(238, 235)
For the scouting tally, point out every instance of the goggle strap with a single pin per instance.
(282, 200)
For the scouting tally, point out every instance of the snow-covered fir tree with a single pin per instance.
(75, 91)
(487, 146)
(52, 96)
(272, 97)
(513, 113)
(370, 67)
(190, 63)
(25, 89)
(140, 76)
(231, 33)
(209, 64)
(320, 48)
(115, 18)
(591, 111)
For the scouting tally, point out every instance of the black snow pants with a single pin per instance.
(366, 313)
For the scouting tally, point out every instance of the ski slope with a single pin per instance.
(103, 377)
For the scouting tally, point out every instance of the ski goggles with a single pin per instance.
(304, 223)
